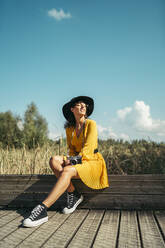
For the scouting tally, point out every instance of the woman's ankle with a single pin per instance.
(71, 189)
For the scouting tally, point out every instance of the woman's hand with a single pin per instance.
(66, 162)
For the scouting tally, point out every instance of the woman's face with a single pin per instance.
(79, 109)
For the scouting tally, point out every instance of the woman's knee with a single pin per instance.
(56, 162)
(70, 171)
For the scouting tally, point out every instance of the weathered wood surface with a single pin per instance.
(85, 228)
(150, 229)
(125, 192)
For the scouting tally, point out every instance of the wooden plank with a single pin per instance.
(65, 232)
(125, 202)
(79, 229)
(94, 201)
(125, 192)
(4, 212)
(131, 187)
(142, 182)
(129, 233)
(151, 236)
(110, 176)
(25, 185)
(19, 234)
(16, 177)
(125, 184)
(42, 234)
(107, 234)
(87, 231)
(51, 178)
(12, 225)
(136, 177)
(7, 218)
(27, 200)
(160, 216)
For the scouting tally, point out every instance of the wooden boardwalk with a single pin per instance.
(85, 228)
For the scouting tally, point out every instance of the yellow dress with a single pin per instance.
(92, 171)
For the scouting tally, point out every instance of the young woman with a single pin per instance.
(81, 134)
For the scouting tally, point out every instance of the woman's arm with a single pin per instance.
(90, 143)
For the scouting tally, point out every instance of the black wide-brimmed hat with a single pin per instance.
(67, 107)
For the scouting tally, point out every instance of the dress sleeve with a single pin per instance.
(68, 140)
(90, 141)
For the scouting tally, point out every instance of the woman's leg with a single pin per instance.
(39, 213)
(56, 164)
(62, 185)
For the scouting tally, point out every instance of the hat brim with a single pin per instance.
(67, 107)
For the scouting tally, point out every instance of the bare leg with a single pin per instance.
(56, 164)
(39, 213)
(62, 184)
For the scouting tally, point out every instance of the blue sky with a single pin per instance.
(113, 51)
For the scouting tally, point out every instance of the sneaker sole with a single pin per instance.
(35, 223)
(71, 210)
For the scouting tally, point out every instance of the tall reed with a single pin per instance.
(25, 161)
(136, 157)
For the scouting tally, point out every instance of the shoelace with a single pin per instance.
(70, 198)
(36, 211)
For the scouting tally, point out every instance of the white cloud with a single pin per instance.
(138, 117)
(59, 15)
(143, 120)
(54, 136)
(134, 122)
(124, 136)
(106, 132)
(123, 112)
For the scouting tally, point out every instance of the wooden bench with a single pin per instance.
(128, 192)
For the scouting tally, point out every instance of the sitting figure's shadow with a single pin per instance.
(29, 191)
